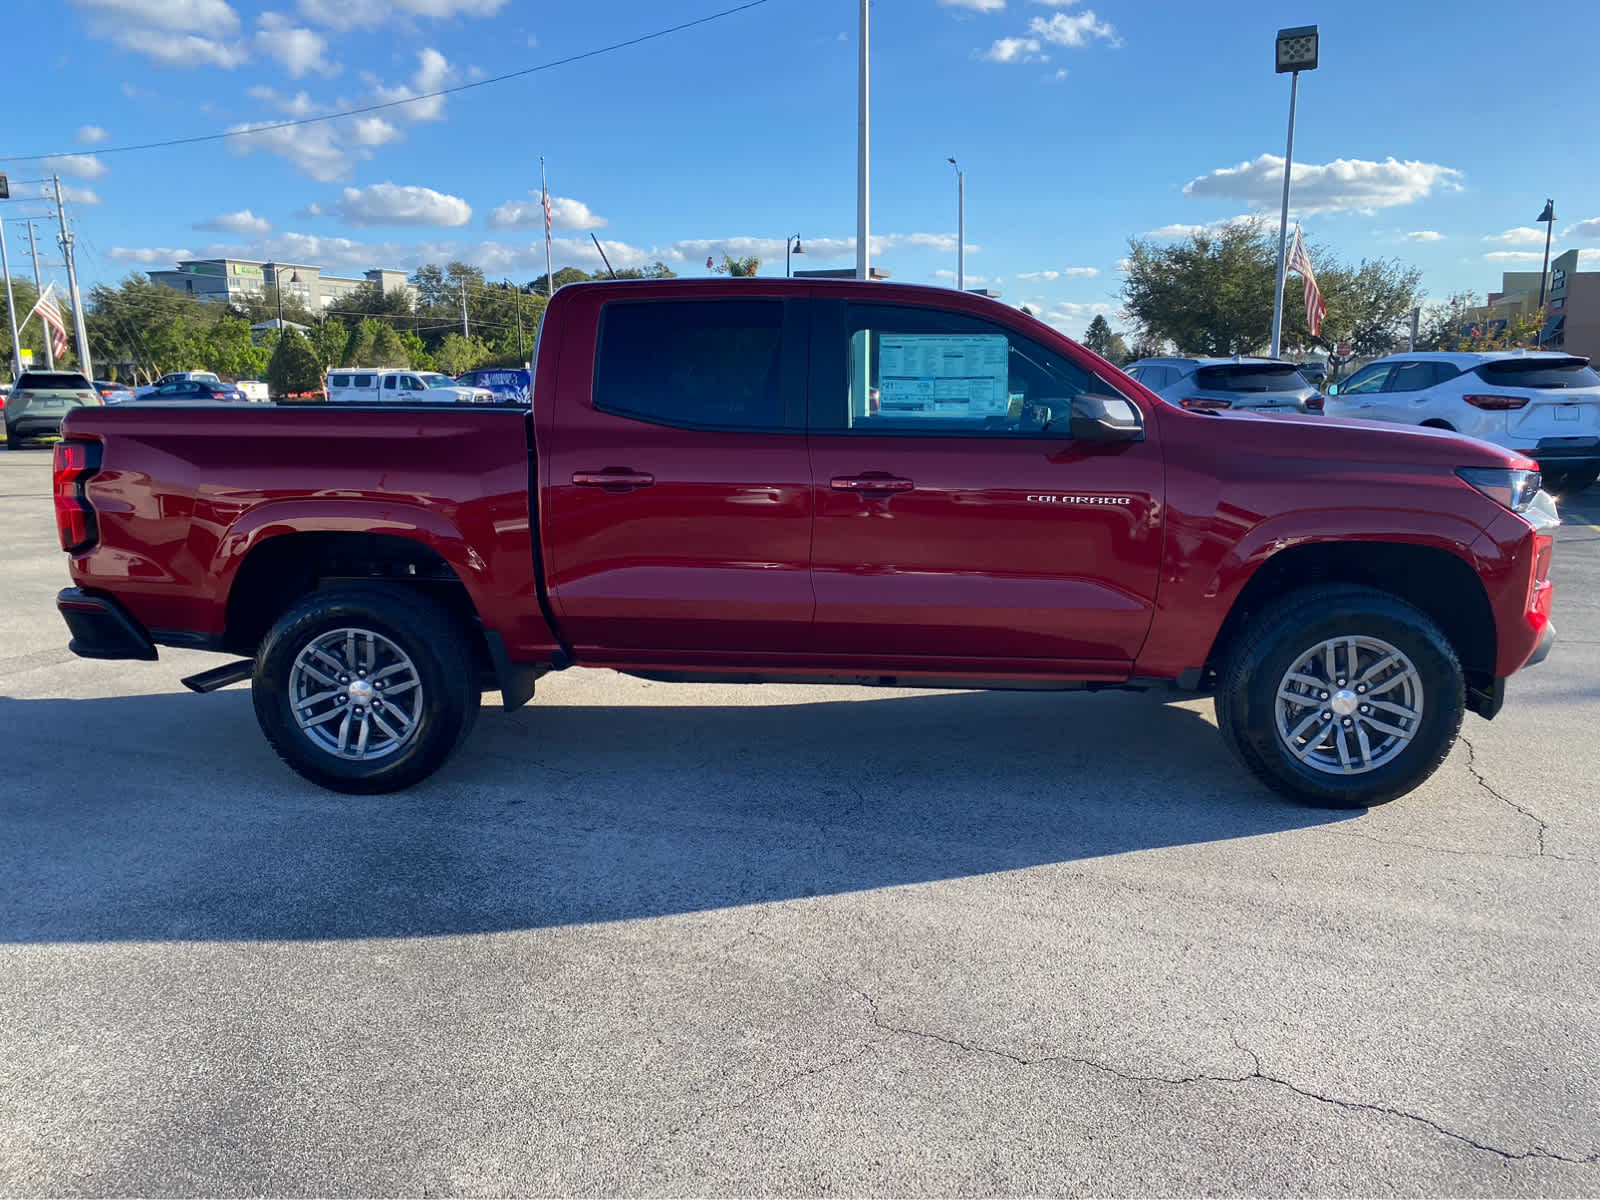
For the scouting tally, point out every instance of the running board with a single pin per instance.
(221, 677)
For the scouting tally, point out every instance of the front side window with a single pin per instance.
(1366, 381)
(697, 364)
(924, 370)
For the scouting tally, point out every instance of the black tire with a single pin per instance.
(13, 439)
(1253, 669)
(433, 649)
(1570, 481)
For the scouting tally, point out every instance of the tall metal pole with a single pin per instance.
(11, 307)
(66, 239)
(863, 236)
(1549, 228)
(38, 287)
(522, 354)
(961, 229)
(1283, 222)
(549, 276)
(465, 332)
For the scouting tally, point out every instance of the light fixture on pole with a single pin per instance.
(961, 226)
(1296, 52)
(277, 286)
(1548, 219)
(791, 245)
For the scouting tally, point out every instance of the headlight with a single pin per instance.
(1513, 489)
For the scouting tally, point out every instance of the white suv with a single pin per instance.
(1539, 403)
(358, 386)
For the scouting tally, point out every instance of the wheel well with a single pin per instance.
(282, 569)
(1435, 423)
(1436, 581)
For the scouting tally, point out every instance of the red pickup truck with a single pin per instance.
(773, 480)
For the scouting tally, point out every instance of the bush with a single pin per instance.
(293, 372)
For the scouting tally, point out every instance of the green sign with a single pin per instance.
(246, 269)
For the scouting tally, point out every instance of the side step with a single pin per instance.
(221, 677)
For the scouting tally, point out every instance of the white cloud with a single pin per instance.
(1082, 272)
(1511, 257)
(1015, 49)
(79, 166)
(433, 73)
(370, 14)
(314, 149)
(182, 49)
(374, 131)
(311, 211)
(394, 204)
(1210, 228)
(1031, 276)
(565, 213)
(1586, 229)
(983, 6)
(72, 195)
(211, 17)
(147, 256)
(243, 221)
(300, 50)
(91, 135)
(1523, 235)
(1123, 266)
(1343, 185)
(945, 273)
(1064, 30)
(1424, 235)
(298, 105)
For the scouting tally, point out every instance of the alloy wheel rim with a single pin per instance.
(1349, 705)
(356, 695)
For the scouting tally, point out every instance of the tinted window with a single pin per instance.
(924, 370)
(52, 380)
(1532, 373)
(1250, 377)
(366, 381)
(713, 364)
(1411, 377)
(1156, 378)
(1366, 381)
(390, 383)
(339, 381)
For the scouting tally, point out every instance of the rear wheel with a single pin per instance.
(365, 688)
(1342, 697)
(1570, 481)
(13, 439)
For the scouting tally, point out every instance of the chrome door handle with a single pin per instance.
(871, 483)
(613, 479)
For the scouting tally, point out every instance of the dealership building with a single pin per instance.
(236, 279)
(1571, 305)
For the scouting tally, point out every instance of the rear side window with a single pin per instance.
(1250, 377)
(1533, 373)
(1411, 377)
(339, 381)
(366, 381)
(703, 364)
(52, 380)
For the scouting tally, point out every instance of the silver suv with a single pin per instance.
(40, 400)
(1214, 384)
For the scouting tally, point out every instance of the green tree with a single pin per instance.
(328, 341)
(229, 350)
(294, 370)
(387, 349)
(1209, 295)
(359, 346)
(457, 354)
(417, 356)
(1108, 345)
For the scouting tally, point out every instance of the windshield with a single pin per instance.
(1251, 377)
(439, 381)
(1540, 373)
(204, 377)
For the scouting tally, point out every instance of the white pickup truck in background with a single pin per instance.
(358, 386)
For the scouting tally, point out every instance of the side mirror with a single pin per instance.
(1331, 390)
(1105, 419)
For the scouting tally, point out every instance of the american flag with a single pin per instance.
(1299, 260)
(50, 314)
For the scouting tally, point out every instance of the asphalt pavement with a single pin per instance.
(667, 940)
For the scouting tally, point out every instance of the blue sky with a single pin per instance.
(1431, 133)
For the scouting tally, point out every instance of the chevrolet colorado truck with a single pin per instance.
(828, 481)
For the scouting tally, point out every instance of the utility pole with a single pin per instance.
(464, 331)
(38, 287)
(522, 355)
(11, 307)
(78, 326)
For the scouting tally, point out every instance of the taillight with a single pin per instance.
(1315, 403)
(74, 463)
(1496, 403)
(1202, 404)
(1540, 589)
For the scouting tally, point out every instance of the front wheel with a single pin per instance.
(1341, 697)
(365, 688)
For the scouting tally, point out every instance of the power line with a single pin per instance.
(387, 104)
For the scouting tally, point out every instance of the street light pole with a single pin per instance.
(863, 249)
(11, 307)
(791, 244)
(1296, 52)
(1548, 219)
(961, 226)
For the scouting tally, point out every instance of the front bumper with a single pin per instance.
(102, 628)
(1542, 650)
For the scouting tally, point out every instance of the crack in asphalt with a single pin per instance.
(1255, 1074)
(1422, 847)
(1472, 768)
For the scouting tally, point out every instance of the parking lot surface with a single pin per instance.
(657, 939)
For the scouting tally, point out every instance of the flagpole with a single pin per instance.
(11, 308)
(38, 286)
(78, 327)
(544, 193)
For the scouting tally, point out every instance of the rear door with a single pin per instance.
(959, 526)
(677, 485)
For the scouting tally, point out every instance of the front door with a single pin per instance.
(959, 526)
(678, 486)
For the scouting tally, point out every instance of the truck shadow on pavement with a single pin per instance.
(167, 818)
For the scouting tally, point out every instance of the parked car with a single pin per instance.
(113, 392)
(194, 390)
(374, 386)
(139, 393)
(39, 401)
(1314, 373)
(1537, 402)
(510, 385)
(1213, 384)
(710, 495)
